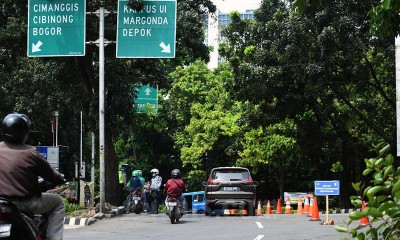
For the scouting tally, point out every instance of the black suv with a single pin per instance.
(230, 188)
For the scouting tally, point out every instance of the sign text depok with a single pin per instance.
(149, 33)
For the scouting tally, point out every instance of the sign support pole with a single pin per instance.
(92, 169)
(327, 208)
(101, 110)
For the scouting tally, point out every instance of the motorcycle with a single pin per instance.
(173, 209)
(19, 223)
(136, 202)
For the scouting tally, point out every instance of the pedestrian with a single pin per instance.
(69, 194)
(155, 185)
(21, 166)
(88, 196)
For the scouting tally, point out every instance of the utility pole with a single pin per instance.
(56, 114)
(397, 56)
(101, 43)
(101, 110)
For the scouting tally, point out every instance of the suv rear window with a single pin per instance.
(230, 175)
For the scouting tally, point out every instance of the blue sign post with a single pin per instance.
(50, 154)
(327, 188)
(323, 188)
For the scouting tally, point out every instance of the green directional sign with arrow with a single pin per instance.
(147, 99)
(149, 33)
(56, 28)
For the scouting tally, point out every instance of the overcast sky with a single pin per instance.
(240, 5)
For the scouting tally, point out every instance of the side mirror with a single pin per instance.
(255, 183)
(205, 184)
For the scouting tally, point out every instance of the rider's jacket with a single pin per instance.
(20, 166)
(175, 187)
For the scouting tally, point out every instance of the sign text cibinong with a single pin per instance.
(56, 28)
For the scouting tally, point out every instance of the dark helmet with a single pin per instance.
(16, 128)
(175, 173)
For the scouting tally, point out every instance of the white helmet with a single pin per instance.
(154, 170)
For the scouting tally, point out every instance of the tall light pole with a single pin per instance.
(56, 115)
(101, 110)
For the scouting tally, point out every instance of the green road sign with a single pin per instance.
(56, 28)
(149, 33)
(147, 99)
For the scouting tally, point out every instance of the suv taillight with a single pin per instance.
(248, 181)
(212, 182)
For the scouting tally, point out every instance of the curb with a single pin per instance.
(342, 211)
(79, 221)
(89, 221)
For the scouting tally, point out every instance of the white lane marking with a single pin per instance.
(259, 225)
(259, 237)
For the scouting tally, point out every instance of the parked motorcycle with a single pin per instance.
(173, 209)
(136, 202)
(18, 223)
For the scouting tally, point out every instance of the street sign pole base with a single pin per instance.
(329, 222)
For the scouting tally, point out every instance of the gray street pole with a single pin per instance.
(397, 57)
(92, 170)
(101, 111)
(56, 114)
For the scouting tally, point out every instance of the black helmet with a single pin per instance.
(16, 128)
(175, 173)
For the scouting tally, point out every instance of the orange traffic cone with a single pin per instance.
(310, 211)
(288, 208)
(244, 212)
(299, 207)
(315, 212)
(268, 208)
(259, 211)
(365, 220)
(306, 205)
(278, 207)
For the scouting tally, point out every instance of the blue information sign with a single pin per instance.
(323, 188)
(50, 154)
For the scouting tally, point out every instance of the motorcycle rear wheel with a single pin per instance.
(172, 216)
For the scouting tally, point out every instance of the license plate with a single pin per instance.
(231, 189)
(5, 230)
(172, 204)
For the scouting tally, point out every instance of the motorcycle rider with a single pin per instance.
(21, 166)
(142, 181)
(134, 184)
(175, 187)
(155, 189)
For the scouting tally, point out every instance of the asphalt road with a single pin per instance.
(143, 226)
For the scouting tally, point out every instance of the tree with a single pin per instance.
(275, 147)
(383, 197)
(316, 67)
(74, 80)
